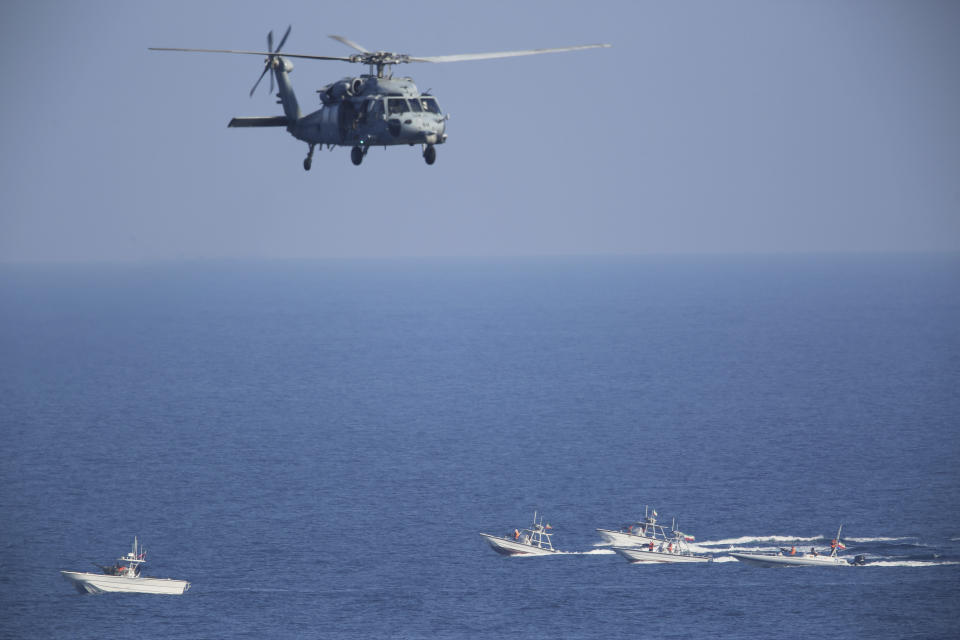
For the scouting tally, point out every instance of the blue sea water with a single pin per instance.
(316, 446)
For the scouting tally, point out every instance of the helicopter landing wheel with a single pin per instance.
(356, 155)
(308, 160)
(430, 154)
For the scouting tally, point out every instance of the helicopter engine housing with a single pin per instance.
(344, 88)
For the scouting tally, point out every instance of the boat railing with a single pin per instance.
(538, 538)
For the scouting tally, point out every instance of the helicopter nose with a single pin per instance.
(435, 132)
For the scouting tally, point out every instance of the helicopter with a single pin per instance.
(373, 109)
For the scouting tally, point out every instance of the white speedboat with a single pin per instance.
(124, 577)
(794, 558)
(661, 555)
(649, 542)
(638, 534)
(534, 541)
(673, 550)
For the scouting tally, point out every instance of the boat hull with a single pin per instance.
(101, 583)
(645, 556)
(806, 560)
(624, 539)
(508, 547)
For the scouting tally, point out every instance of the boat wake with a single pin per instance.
(753, 539)
(909, 563)
(866, 540)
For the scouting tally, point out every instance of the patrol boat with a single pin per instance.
(124, 577)
(534, 541)
(674, 549)
(792, 558)
(637, 534)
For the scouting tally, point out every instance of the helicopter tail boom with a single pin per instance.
(266, 121)
(285, 90)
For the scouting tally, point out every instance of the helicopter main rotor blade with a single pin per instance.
(270, 40)
(350, 43)
(502, 54)
(254, 53)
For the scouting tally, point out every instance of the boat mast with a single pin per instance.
(836, 547)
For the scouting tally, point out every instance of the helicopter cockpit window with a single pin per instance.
(397, 105)
(415, 105)
(430, 104)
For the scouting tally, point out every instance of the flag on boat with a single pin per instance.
(688, 538)
(548, 526)
(840, 545)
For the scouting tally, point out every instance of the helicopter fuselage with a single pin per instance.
(358, 112)
(371, 111)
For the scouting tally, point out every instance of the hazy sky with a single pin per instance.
(735, 126)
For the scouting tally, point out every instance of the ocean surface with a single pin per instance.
(316, 446)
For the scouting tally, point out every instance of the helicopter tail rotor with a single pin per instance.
(271, 58)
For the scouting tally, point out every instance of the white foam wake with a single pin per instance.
(878, 539)
(748, 539)
(908, 563)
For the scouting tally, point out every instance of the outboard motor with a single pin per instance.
(859, 560)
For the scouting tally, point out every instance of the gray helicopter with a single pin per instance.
(374, 109)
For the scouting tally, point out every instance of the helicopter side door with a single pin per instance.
(329, 124)
(370, 126)
(348, 120)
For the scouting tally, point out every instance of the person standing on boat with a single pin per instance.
(793, 551)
